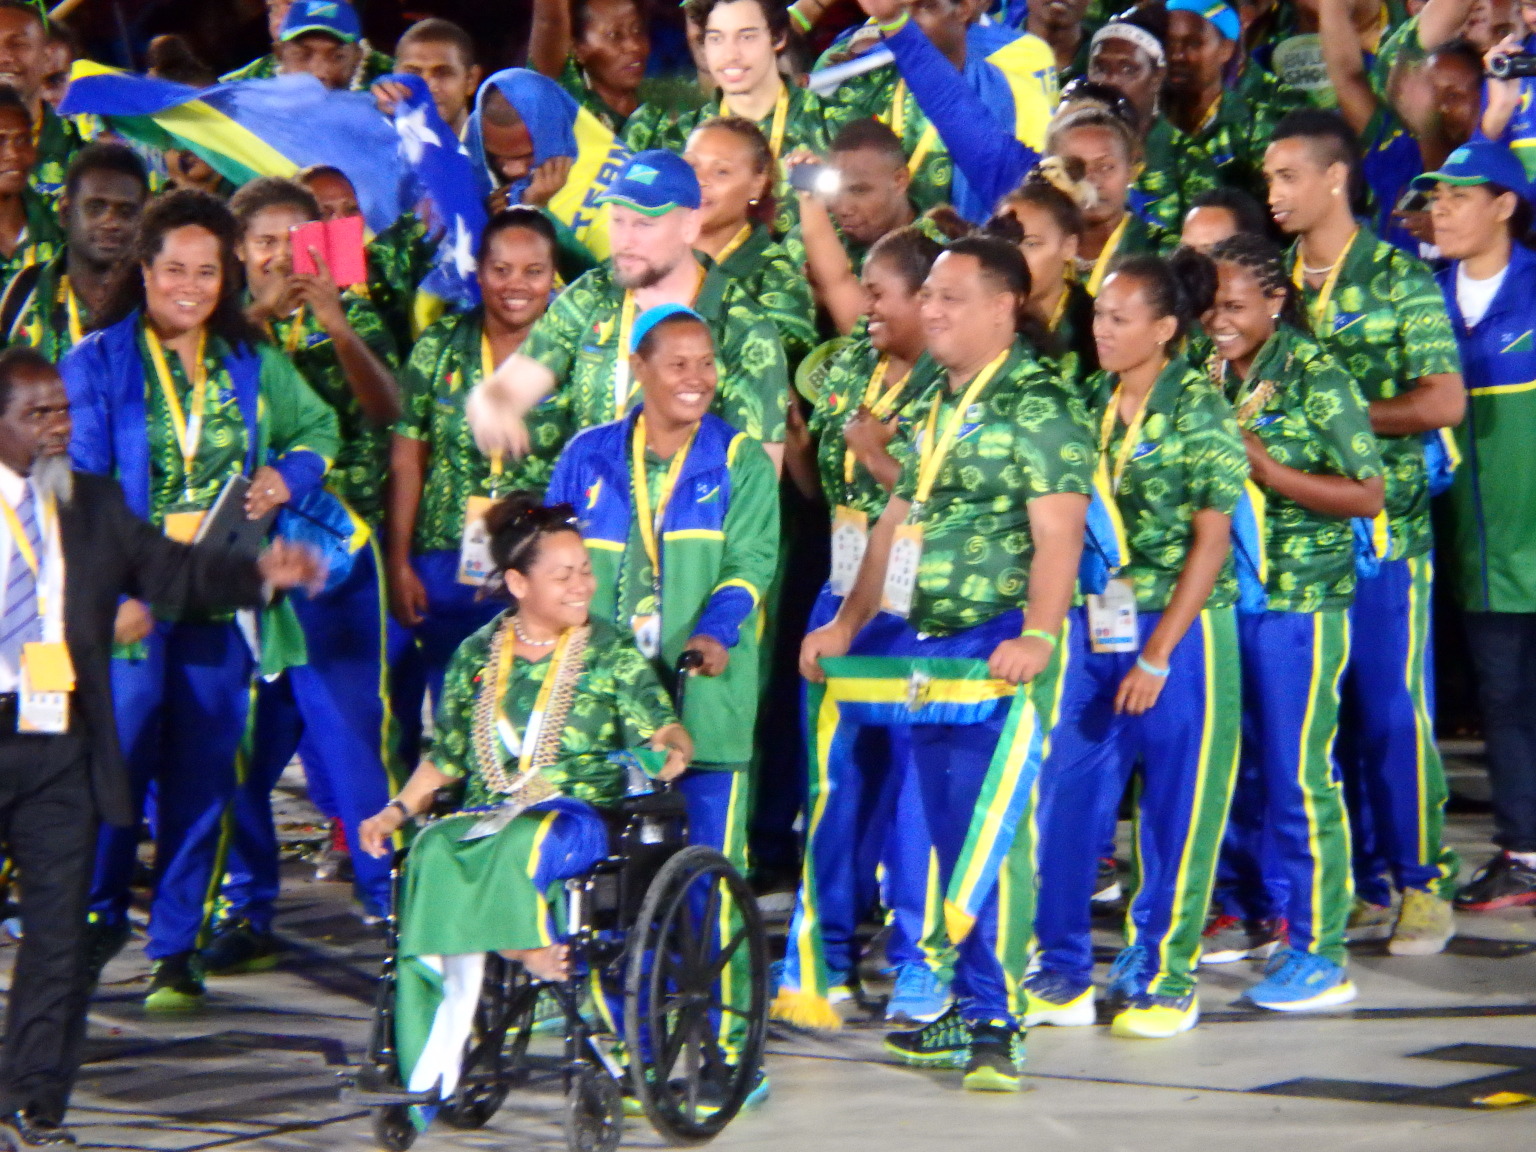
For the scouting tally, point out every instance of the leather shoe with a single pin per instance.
(22, 1131)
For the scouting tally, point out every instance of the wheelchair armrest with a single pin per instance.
(663, 804)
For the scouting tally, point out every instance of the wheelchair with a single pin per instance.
(670, 929)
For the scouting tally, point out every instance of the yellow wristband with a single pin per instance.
(1039, 634)
(802, 21)
(895, 25)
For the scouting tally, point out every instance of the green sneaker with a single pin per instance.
(946, 1043)
(176, 984)
(996, 1058)
(237, 948)
(1425, 925)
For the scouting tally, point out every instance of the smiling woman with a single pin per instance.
(29, 232)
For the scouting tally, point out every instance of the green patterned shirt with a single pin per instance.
(375, 64)
(766, 273)
(399, 259)
(357, 473)
(222, 447)
(1238, 129)
(446, 363)
(617, 704)
(1023, 438)
(40, 243)
(42, 320)
(873, 95)
(1189, 457)
(1315, 421)
(1174, 170)
(844, 384)
(805, 125)
(578, 340)
(1386, 325)
(58, 140)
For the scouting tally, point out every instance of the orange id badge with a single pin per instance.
(901, 570)
(47, 679)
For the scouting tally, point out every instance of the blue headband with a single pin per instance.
(654, 316)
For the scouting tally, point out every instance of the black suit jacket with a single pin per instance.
(109, 553)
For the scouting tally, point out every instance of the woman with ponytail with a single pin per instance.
(977, 548)
(1307, 430)
(1154, 680)
(534, 705)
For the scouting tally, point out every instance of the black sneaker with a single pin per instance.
(237, 948)
(176, 984)
(20, 1130)
(104, 939)
(996, 1059)
(1106, 884)
(1503, 882)
(946, 1043)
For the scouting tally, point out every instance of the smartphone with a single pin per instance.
(1414, 200)
(816, 178)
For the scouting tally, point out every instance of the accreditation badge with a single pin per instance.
(47, 678)
(850, 536)
(647, 630)
(901, 570)
(1112, 618)
(183, 526)
(475, 564)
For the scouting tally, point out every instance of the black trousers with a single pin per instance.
(48, 828)
(1503, 648)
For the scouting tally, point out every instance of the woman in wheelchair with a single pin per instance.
(533, 706)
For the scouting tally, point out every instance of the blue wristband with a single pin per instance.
(1151, 669)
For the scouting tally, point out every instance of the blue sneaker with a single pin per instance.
(1129, 976)
(919, 997)
(1297, 981)
(1058, 999)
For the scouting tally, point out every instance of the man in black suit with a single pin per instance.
(68, 536)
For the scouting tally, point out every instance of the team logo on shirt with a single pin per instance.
(593, 492)
(1520, 343)
(1345, 320)
(706, 493)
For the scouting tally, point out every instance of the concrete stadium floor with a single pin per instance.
(1405, 1070)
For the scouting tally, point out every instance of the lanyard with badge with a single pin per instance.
(907, 546)
(47, 675)
(850, 526)
(475, 563)
(1112, 613)
(647, 625)
(182, 524)
(1319, 310)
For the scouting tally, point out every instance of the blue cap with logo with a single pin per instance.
(653, 183)
(333, 17)
(1218, 12)
(1480, 162)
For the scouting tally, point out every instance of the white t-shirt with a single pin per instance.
(1474, 296)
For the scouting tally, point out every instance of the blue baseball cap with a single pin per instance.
(654, 316)
(653, 183)
(333, 17)
(1480, 162)
(1218, 12)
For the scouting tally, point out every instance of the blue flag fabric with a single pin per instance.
(448, 194)
(249, 127)
(548, 111)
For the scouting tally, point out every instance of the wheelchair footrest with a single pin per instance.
(378, 1096)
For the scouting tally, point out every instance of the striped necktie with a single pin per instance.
(21, 624)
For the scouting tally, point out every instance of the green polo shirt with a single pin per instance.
(1314, 420)
(444, 366)
(1386, 325)
(357, 474)
(1022, 438)
(578, 340)
(1189, 457)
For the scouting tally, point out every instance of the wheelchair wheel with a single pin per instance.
(491, 1068)
(594, 1112)
(392, 1127)
(695, 996)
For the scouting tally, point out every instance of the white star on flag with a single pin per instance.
(415, 135)
(462, 253)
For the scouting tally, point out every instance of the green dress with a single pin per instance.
(578, 340)
(1309, 414)
(446, 363)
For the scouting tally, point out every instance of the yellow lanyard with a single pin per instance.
(72, 307)
(1325, 293)
(487, 369)
(780, 119)
(531, 730)
(878, 403)
(24, 546)
(650, 522)
(295, 332)
(187, 428)
(1132, 439)
(736, 242)
(934, 452)
(898, 124)
(1210, 115)
(1061, 307)
(1101, 265)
